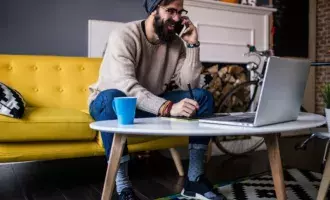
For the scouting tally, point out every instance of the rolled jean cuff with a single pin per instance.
(198, 146)
(124, 158)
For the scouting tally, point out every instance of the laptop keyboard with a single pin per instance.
(246, 117)
(202, 116)
(247, 120)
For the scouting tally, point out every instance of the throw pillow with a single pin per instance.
(12, 103)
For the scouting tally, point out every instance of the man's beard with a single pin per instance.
(161, 28)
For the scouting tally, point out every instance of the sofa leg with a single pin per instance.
(177, 160)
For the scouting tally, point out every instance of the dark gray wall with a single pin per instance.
(57, 27)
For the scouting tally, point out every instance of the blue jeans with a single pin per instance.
(101, 109)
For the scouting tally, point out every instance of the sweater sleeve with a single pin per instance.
(188, 68)
(120, 62)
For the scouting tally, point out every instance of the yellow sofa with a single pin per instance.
(56, 121)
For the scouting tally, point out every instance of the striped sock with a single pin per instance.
(196, 163)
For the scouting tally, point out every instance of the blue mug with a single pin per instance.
(124, 108)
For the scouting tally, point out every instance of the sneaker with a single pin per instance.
(128, 194)
(201, 189)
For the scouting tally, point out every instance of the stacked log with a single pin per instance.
(224, 80)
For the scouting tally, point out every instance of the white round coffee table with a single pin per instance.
(177, 127)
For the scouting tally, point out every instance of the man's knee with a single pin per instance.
(204, 98)
(101, 107)
(109, 95)
(200, 94)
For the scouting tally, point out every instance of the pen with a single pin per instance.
(190, 91)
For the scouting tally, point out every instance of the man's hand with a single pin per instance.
(186, 108)
(190, 34)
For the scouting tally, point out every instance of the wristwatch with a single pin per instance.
(193, 45)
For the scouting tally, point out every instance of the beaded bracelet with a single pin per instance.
(168, 108)
(162, 108)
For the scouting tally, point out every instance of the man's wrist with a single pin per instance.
(193, 45)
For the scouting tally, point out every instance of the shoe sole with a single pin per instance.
(190, 195)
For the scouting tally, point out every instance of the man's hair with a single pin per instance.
(166, 2)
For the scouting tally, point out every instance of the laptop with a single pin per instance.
(281, 95)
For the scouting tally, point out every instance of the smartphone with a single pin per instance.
(179, 28)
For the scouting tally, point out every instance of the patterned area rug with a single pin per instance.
(300, 185)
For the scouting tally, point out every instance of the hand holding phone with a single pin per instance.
(179, 28)
(186, 30)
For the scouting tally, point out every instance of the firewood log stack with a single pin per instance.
(224, 80)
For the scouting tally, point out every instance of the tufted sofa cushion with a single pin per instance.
(47, 124)
(50, 81)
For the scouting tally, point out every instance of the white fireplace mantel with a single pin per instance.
(212, 4)
(224, 30)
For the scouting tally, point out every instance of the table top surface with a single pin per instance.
(179, 127)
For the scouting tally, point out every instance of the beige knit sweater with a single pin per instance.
(138, 68)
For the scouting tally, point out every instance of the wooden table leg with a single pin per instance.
(323, 190)
(114, 160)
(276, 165)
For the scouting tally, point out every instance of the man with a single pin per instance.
(140, 60)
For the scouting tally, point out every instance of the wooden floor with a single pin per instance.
(82, 179)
